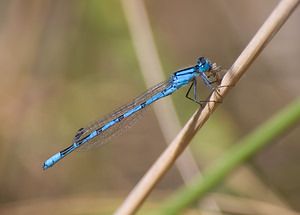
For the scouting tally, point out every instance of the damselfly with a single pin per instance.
(119, 121)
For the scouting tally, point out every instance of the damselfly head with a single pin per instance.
(204, 65)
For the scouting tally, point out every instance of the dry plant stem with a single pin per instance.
(164, 162)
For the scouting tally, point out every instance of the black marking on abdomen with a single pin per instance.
(120, 118)
(143, 105)
(79, 142)
(65, 151)
(99, 130)
(164, 92)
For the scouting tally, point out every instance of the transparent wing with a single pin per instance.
(120, 127)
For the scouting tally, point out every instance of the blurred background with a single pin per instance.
(65, 64)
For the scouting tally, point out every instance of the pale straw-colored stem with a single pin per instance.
(271, 26)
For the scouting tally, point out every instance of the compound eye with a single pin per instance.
(201, 61)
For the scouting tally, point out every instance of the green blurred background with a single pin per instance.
(65, 63)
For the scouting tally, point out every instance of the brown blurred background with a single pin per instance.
(65, 63)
